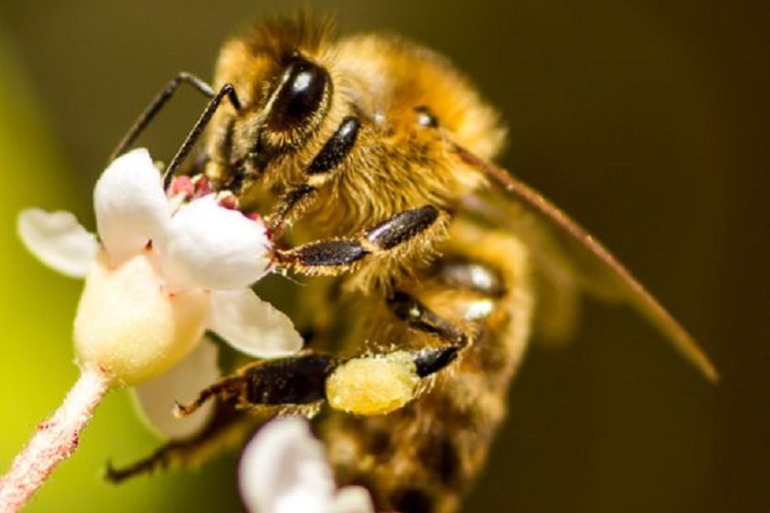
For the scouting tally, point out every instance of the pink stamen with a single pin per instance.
(228, 201)
(182, 185)
(202, 185)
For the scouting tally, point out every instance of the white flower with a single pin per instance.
(284, 470)
(164, 272)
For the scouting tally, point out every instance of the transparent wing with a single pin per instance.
(570, 258)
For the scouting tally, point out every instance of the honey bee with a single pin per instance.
(370, 158)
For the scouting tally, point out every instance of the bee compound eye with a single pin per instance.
(299, 96)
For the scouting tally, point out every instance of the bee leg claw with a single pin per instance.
(181, 410)
(224, 389)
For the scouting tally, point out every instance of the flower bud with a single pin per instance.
(128, 326)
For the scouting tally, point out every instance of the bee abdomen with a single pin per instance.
(424, 457)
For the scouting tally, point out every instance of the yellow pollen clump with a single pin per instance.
(373, 385)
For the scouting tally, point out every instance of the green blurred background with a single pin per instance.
(647, 120)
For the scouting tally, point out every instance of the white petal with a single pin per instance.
(284, 470)
(352, 499)
(58, 240)
(211, 247)
(251, 325)
(156, 398)
(131, 207)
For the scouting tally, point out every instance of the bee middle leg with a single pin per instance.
(336, 255)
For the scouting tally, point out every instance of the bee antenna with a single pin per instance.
(155, 106)
(227, 90)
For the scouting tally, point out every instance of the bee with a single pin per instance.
(370, 158)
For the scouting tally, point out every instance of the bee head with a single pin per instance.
(285, 92)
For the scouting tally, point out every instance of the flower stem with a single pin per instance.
(53, 442)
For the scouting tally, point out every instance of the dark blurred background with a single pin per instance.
(647, 120)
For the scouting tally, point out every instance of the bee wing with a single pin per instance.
(573, 259)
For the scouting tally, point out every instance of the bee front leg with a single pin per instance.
(320, 170)
(333, 256)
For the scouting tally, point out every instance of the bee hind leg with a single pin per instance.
(227, 429)
(266, 388)
(293, 380)
(305, 381)
(381, 383)
(369, 384)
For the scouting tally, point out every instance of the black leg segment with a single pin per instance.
(294, 200)
(430, 361)
(320, 169)
(419, 317)
(336, 148)
(298, 380)
(293, 380)
(402, 227)
(331, 253)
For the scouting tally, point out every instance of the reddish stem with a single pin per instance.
(53, 442)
